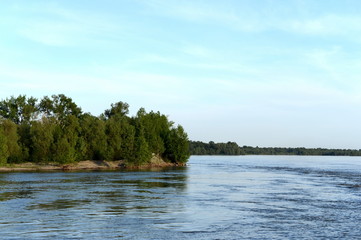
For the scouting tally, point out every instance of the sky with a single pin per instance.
(265, 73)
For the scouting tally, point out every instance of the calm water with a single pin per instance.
(245, 197)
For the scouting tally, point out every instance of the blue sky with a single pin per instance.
(257, 72)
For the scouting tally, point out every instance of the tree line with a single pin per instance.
(232, 148)
(55, 129)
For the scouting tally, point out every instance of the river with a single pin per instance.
(214, 197)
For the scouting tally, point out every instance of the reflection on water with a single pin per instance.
(213, 198)
(16, 194)
(91, 205)
(58, 204)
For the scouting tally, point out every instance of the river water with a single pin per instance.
(240, 197)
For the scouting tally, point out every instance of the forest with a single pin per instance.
(55, 130)
(232, 148)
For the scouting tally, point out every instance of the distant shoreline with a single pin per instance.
(232, 148)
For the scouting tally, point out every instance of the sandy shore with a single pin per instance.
(155, 162)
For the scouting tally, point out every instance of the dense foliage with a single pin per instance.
(232, 148)
(54, 129)
(212, 148)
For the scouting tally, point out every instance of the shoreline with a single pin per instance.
(87, 165)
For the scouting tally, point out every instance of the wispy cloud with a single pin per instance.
(135, 85)
(57, 26)
(329, 25)
(198, 51)
(270, 16)
(21, 79)
(208, 12)
(322, 58)
(338, 67)
(188, 10)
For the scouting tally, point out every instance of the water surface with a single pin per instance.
(241, 197)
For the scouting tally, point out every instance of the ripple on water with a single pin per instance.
(214, 198)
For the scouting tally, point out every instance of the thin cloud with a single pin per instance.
(135, 85)
(43, 81)
(198, 51)
(270, 16)
(65, 27)
(330, 24)
(322, 58)
(206, 12)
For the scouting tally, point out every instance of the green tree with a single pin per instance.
(24, 142)
(59, 106)
(57, 130)
(20, 109)
(117, 109)
(63, 152)
(4, 153)
(141, 154)
(71, 131)
(42, 137)
(114, 131)
(177, 146)
(10, 131)
(128, 141)
(156, 126)
(93, 133)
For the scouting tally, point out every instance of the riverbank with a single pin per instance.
(155, 162)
